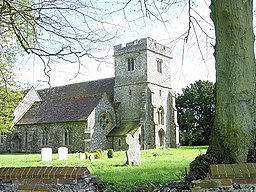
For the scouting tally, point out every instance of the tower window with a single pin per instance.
(130, 62)
(160, 116)
(159, 63)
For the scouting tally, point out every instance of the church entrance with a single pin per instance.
(161, 135)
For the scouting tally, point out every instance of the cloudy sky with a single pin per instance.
(193, 60)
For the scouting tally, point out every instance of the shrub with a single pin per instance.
(110, 153)
(87, 155)
(98, 154)
(154, 153)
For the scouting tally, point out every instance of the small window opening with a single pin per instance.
(26, 137)
(119, 142)
(159, 64)
(160, 114)
(131, 62)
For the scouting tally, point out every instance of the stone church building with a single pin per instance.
(100, 114)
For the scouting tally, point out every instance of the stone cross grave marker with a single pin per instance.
(133, 152)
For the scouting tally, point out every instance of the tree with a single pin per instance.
(196, 107)
(234, 126)
(51, 29)
(9, 95)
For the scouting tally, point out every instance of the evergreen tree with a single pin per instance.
(196, 107)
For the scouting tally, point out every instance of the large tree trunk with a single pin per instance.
(234, 126)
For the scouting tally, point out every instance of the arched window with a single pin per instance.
(67, 136)
(2, 137)
(159, 63)
(119, 142)
(45, 136)
(26, 137)
(105, 120)
(160, 116)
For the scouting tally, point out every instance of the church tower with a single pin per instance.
(143, 92)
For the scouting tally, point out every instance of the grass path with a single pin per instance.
(157, 169)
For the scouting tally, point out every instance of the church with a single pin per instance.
(100, 114)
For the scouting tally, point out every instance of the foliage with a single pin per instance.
(113, 172)
(196, 107)
(87, 155)
(98, 154)
(8, 102)
(110, 153)
(9, 94)
(154, 153)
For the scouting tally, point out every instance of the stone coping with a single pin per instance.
(49, 172)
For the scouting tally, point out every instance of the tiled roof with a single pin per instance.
(125, 128)
(79, 89)
(68, 103)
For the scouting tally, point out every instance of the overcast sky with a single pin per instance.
(191, 61)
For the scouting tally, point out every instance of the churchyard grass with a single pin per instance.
(158, 166)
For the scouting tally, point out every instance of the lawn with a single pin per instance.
(162, 167)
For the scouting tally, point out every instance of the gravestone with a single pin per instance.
(133, 152)
(62, 153)
(91, 157)
(46, 154)
(81, 155)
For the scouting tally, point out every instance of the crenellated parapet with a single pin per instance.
(140, 45)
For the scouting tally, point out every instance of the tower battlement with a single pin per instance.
(142, 44)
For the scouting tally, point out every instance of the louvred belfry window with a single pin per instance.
(131, 62)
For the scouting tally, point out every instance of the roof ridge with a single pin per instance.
(49, 88)
(69, 98)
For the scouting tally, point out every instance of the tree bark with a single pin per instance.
(234, 125)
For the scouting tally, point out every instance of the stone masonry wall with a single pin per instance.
(98, 133)
(29, 139)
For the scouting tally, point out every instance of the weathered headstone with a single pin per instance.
(133, 152)
(62, 153)
(46, 154)
(81, 155)
(91, 157)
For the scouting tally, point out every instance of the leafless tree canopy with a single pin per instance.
(67, 30)
(55, 29)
